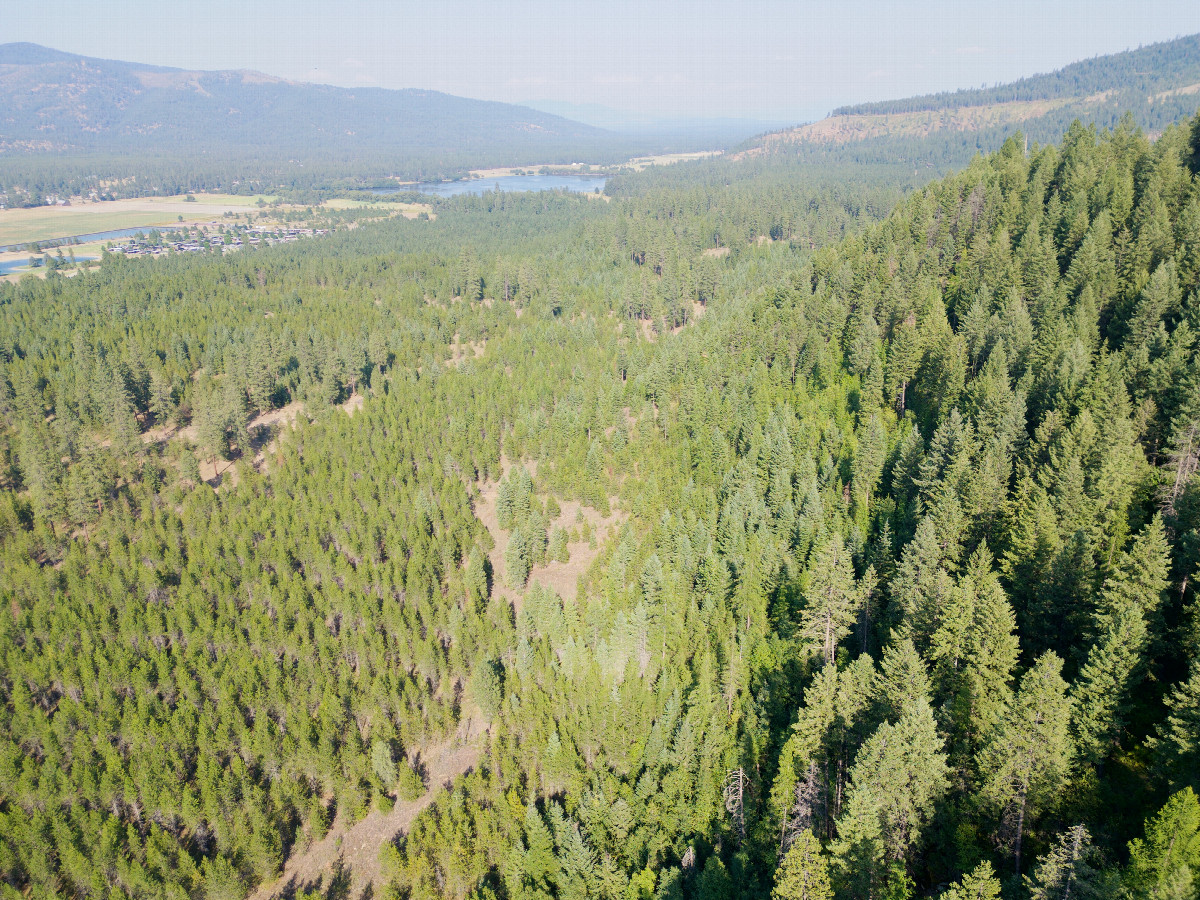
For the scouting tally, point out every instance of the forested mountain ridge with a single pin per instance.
(71, 125)
(903, 605)
(1147, 72)
(1157, 84)
(66, 103)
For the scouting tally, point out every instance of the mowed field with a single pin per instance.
(44, 223)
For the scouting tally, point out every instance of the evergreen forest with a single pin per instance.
(879, 501)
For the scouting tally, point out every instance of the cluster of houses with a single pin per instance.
(259, 235)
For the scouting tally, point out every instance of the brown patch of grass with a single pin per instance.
(353, 405)
(845, 129)
(1186, 89)
(357, 845)
(563, 578)
(460, 351)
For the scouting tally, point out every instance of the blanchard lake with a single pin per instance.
(583, 184)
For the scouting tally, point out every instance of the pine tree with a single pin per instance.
(980, 884)
(42, 472)
(1166, 864)
(1028, 755)
(516, 559)
(1065, 872)
(1177, 740)
(86, 489)
(804, 873)
(162, 397)
(831, 599)
(123, 427)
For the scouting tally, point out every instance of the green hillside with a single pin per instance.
(718, 540)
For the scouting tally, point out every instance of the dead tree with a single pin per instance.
(736, 783)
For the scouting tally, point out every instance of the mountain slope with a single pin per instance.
(54, 101)
(1158, 85)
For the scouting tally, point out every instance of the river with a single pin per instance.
(54, 243)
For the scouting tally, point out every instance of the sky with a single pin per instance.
(764, 60)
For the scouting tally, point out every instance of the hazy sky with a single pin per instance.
(777, 60)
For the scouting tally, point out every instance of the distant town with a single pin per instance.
(205, 239)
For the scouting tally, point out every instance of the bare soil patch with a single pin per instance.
(357, 846)
(562, 578)
(460, 351)
(844, 129)
(353, 405)
(1186, 89)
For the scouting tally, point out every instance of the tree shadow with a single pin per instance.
(335, 887)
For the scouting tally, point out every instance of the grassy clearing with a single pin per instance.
(385, 207)
(228, 200)
(19, 227)
(920, 123)
(666, 159)
(44, 223)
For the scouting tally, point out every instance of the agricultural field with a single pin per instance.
(46, 223)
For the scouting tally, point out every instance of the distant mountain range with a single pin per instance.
(1158, 84)
(725, 127)
(60, 102)
(70, 124)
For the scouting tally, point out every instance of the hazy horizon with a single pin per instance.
(779, 62)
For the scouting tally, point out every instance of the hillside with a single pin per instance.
(863, 553)
(1157, 85)
(60, 102)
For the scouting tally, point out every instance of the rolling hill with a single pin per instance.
(55, 101)
(1158, 84)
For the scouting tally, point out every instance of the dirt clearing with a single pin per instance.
(574, 518)
(357, 846)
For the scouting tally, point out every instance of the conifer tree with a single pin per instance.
(922, 588)
(898, 776)
(1177, 739)
(1066, 871)
(804, 873)
(831, 599)
(975, 649)
(1166, 863)
(1028, 755)
(1130, 603)
(903, 680)
(980, 884)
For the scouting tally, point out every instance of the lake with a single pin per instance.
(581, 184)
